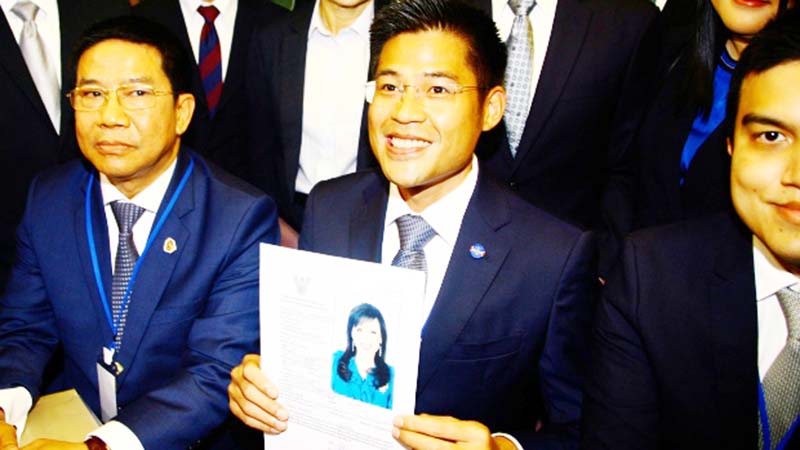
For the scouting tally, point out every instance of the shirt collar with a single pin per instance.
(48, 7)
(770, 276)
(360, 26)
(224, 6)
(149, 199)
(444, 216)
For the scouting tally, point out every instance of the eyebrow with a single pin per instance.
(762, 120)
(434, 74)
(86, 81)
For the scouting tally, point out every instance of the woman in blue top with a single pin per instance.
(684, 171)
(360, 371)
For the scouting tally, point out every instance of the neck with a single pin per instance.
(134, 184)
(736, 45)
(337, 17)
(421, 197)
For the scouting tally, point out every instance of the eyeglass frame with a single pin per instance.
(106, 95)
(371, 89)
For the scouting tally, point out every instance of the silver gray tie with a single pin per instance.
(126, 214)
(42, 71)
(782, 381)
(518, 72)
(415, 233)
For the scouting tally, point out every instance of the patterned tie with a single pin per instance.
(210, 58)
(782, 381)
(42, 73)
(126, 214)
(414, 234)
(518, 72)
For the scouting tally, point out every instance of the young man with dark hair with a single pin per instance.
(509, 288)
(140, 262)
(697, 340)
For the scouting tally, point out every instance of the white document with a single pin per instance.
(340, 338)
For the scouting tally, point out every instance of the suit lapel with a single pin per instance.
(734, 331)
(292, 63)
(570, 28)
(242, 28)
(366, 224)
(14, 64)
(158, 265)
(100, 229)
(467, 279)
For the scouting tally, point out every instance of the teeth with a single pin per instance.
(408, 143)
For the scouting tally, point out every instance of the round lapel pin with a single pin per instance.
(477, 251)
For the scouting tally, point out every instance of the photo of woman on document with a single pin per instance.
(360, 371)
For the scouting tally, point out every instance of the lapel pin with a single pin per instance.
(170, 246)
(477, 251)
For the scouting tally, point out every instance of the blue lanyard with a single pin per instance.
(765, 430)
(114, 323)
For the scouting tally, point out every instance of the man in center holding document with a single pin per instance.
(509, 288)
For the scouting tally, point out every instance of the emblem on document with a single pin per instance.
(301, 284)
(170, 246)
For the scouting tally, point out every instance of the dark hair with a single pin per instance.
(175, 60)
(778, 43)
(381, 372)
(708, 43)
(486, 52)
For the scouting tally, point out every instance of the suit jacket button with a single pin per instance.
(512, 185)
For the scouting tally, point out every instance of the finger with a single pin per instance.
(444, 427)
(251, 372)
(8, 435)
(418, 441)
(256, 402)
(258, 419)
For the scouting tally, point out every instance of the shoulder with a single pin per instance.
(63, 182)
(625, 11)
(691, 239)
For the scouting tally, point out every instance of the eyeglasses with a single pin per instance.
(130, 97)
(433, 90)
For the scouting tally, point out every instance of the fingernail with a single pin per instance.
(397, 421)
(396, 433)
(272, 392)
(283, 415)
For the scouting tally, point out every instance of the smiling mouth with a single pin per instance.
(404, 145)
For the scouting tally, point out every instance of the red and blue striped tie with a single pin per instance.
(210, 58)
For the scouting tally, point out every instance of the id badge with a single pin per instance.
(107, 372)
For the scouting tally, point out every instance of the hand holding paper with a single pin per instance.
(253, 397)
(8, 435)
(424, 432)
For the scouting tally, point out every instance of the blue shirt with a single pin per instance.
(360, 388)
(702, 127)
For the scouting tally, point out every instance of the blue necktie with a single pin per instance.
(210, 58)
(126, 215)
(415, 233)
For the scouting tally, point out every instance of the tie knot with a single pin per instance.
(414, 232)
(209, 13)
(521, 7)
(126, 214)
(790, 304)
(25, 10)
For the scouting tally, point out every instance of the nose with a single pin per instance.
(112, 114)
(409, 107)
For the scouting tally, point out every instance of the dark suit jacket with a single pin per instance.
(675, 343)
(504, 343)
(275, 86)
(30, 143)
(193, 314)
(221, 139)
(574, 159)
(660, 197)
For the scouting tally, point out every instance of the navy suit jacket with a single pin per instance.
(575, 159)
(275, 84)
(30, 143)
(192, 316)
(220, 139)
(504, 343)
(675, 343)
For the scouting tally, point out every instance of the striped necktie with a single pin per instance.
(210, 58)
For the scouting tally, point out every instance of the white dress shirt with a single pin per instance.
(333, 99)
(49, 28)
(17, 401)
(224, 25)
(542, 16)
(770, 278)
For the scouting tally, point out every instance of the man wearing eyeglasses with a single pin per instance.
(140, 262)
(509, 287)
